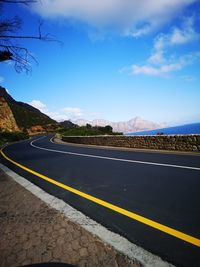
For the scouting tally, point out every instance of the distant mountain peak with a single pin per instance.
(135, 124)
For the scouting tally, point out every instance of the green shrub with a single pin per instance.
(6, 137)
(88, 130)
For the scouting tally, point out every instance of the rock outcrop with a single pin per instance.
(7, 119)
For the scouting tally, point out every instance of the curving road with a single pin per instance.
(150, 198)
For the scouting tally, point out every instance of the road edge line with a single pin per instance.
(163, 228)
(119, 243)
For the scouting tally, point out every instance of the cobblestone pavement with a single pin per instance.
(32, 232)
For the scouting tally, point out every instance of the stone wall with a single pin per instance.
(7, 120)
(164, 142)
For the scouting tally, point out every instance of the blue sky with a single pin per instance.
(119, 59)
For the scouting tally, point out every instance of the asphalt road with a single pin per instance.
(162, 188)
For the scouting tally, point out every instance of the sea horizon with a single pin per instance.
(192, 128)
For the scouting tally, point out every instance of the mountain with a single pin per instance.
(26, 116)
(34, 121)
(134, 125)
(68, 124)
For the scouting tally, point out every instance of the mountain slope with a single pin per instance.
(25, 115)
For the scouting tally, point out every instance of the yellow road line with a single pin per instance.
(180, 235)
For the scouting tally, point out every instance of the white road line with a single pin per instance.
(114, 159)
(51, 140)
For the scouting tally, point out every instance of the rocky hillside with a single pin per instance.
(134, 125)
(25, 116)
(7, 119)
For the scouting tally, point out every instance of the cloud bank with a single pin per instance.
(130, 17)
(67, 113)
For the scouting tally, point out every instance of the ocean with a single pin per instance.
(193, 128)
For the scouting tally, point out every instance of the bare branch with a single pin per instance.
(21, 37)
(9, 51)
(10, 25)
(20, 56)
(46, 37)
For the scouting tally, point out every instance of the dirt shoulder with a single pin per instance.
(33, 232)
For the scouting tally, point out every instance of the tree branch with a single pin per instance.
(22, 37)
(20, 56)
(10, 25)
(9, 50)
(25, 2)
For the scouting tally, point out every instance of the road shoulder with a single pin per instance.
(37, 227)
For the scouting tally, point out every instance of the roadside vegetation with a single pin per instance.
(7, 137)
(89, 130)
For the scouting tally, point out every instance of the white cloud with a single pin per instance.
(158, 64)
(189, 78)
(39, 105)
(178, 36)
(58, 115)
(156, 71)
(164, 69)
(157, 57)
(67, 113)
(137, 32)
(132, 17)
(1, 79)
(185, 35)
(75, 112)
